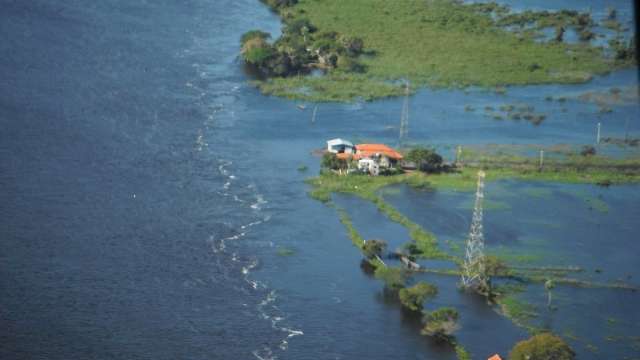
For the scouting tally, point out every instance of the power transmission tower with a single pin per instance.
(404, 117)
(473, 273)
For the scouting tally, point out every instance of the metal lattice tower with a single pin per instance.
(473, 273)
(404, 117)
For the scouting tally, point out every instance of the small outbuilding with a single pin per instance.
(340, 146)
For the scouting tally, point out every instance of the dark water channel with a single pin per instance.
(147, 193)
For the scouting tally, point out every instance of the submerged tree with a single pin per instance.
(542, 347)
(373, 248)
(412, 298)
(441, 324)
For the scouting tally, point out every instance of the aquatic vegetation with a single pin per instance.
(412, 298)
(355, 237)
(394, 278)
(542, 347)
(302, 168)
(519, 311)
(462, 353)
(512, 112)
(538, 192)
(445, 29)
(283, 251)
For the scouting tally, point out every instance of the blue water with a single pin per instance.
(146, 189)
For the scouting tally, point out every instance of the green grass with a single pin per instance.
(433, 43)
(519, 311)
(355, 237)
(334, 87)
(366, 187)
(462, 353)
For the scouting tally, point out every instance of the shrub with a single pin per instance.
(254, 34)
(588, 150)
(331, 161)
(412, 298)
(441, 324)
(373, 248)
(425, 159)
(542, 347)
(494, 266)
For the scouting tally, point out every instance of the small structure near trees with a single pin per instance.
(372, 159)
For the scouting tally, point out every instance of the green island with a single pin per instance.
(368, 49)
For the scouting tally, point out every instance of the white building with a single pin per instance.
(338, 146)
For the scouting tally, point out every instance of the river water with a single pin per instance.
(148, 192)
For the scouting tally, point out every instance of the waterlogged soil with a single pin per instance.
(534, 224)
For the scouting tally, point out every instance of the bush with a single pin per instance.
(441, 324)
(494, 266)
(542, 347)
(412, 298)
(254, 34)
(588, 150)
(331, 161)
(258, 55)
(278, 4)
(373, 248)
(425, 159)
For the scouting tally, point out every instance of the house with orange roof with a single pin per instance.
(372, 158)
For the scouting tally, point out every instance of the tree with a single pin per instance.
(373, 248)
(494, 266)
(352, 45)
(330, 161)
(588, 150)
(254, 34)
(412, 298)
(425, 159)
(441, 324)
(542, 347)
(278, 4)
(559, 33)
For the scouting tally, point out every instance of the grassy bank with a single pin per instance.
(366, 187)
(435, 43)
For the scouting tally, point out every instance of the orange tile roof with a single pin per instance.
(346, 156)
(366, 150)
(495, 357)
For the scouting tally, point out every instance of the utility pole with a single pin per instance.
(541, 160)
(313, 117)
(458, 155)
(626, 130)
(473, 272)
(598, 134)
(404, 117)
